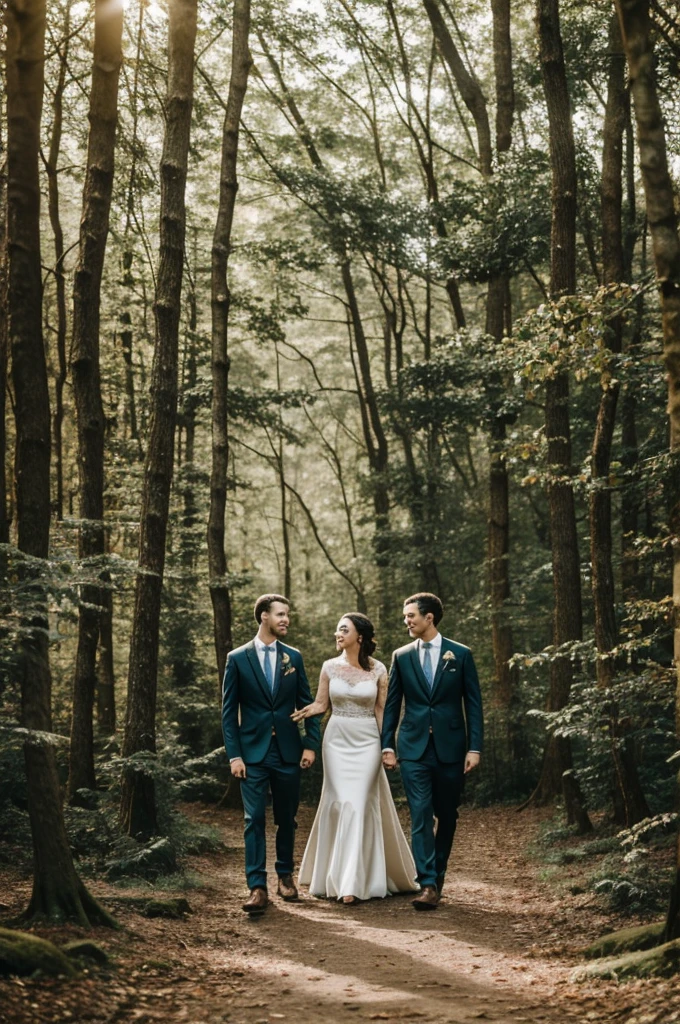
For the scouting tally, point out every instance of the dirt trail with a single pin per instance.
(493, 951)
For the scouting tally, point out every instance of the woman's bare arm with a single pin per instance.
(380, 700)
(321, 702)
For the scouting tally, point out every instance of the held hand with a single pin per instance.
(308, 759)
(307, 712)
(389, 760)
(471, 761)
(238, 768)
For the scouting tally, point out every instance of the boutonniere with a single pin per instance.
(286, 665)
(449, 658)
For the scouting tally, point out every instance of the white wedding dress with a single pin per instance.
(356, 846)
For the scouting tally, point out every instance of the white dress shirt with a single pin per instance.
(259, 647)
(435, 652)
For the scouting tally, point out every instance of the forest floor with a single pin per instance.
(502, 946)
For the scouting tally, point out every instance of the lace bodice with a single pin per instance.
(353, 692)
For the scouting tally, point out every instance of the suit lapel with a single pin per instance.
(418, 670)
(251, 654)
(446, 646)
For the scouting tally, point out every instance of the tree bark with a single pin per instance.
(630, 795)
(220, 303)
(281, 469)
(58, 894)
(468, 86)
(663, 226)
(125, 320)
(85, 373)
(52, 169)
(498, 541)
(505, 85)
(567, 615)
(105, 683)
(631, 582)
(4, 339)
(138, 800)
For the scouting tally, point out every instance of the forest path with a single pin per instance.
(493, 951)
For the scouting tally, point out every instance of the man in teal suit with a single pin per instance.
(440, 737)
(264, 683)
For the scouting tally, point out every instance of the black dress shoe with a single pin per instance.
(286, 889)
(257, 901)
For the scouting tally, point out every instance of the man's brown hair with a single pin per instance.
(264, 603)
(427, 603)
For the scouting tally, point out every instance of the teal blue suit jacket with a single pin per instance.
(251, 710)
(451, 711)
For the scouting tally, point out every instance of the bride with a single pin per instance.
(356, 849)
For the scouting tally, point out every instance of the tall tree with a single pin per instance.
(506, 677)
(4, 346)
(629, 795)
(468, 85)
(567, 614)
(220, 303)
(497, 317)
(138, 799)
(52, 169)
(85, 372)
(132, 222)
(663, 226)
(58, 893)
(375, 437)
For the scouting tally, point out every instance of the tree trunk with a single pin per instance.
(85, 372)
(125, 320)
(663, 225)
(468, 86)
(631, 563)
(283, 495)
(4, 340)
(105, 684)
(220, 302)
(138, 800)
(51, 167)
(631, 798)
(498, 542)
(502, 61)
(567, 615)
(373, 430)
(190, 511)
(606, 631)
(57, 894)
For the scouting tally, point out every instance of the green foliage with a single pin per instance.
(638, 890)
(400, 201)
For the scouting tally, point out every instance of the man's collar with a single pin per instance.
(260, 644)
(436, 640)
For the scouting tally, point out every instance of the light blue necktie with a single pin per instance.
(268, 667)
(427, 664)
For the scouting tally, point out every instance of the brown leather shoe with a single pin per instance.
(286, 888)
(257, 901)
(428, 898)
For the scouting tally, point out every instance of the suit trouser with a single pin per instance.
(283, 779)
(433, 790)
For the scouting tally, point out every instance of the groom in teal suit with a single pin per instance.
(440, 737)
(264, 684)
